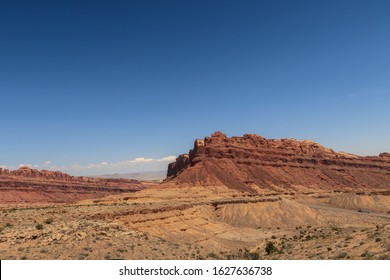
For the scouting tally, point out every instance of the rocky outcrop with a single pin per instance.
(27, 172)
(181, 162)
(252, 163)
(26, 185)
(384, 155)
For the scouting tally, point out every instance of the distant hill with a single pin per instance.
(26, 185)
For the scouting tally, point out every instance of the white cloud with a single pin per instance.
(141, 159)
(47, 162)
(29, 165)
(169, 158)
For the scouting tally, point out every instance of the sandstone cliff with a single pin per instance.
(252, 163)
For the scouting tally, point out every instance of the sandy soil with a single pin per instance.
(178, 224)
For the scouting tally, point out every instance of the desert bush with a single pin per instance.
(342, 255)
(270, 248)
(39, 226)
(384, 257)
(367, 255)
(244, 255)
(82, 256)
(335, 228)
(308, 237)
(212, 255)
(252, 256)
(49, 221)
(247, 255)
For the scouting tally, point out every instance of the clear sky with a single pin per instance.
(93, 87)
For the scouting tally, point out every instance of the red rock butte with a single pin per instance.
(254, 164)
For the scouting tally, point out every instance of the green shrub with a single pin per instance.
(270, 248)
(39, 226)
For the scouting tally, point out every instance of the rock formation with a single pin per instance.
(254, 164)
(26, 185)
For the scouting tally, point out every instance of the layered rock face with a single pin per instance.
(26, 185)
(254, 164)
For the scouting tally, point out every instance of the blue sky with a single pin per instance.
(92, 87)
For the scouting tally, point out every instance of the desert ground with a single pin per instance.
(207, 225)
